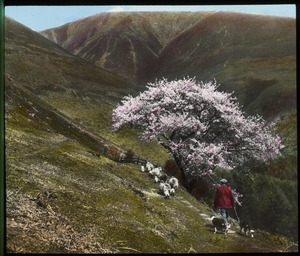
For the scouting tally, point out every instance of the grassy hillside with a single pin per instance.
(61, 198)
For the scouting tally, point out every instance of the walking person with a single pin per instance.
(223, 200)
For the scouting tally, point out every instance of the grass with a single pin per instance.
(95, 115)
(99, 205)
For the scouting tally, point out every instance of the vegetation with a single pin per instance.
(63, 199)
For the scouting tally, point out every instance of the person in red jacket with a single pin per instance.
(223, 199)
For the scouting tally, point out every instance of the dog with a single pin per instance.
(246, 229)
(219, 223)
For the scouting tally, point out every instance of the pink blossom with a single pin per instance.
(205, 127)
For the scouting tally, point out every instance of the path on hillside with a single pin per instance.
(255, 245)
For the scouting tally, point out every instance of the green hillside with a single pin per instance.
(62, 198)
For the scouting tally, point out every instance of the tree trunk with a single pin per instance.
(182, 177)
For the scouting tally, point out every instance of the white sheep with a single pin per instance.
(172, 191)
(122, 156)
(164, 189)
(149, 166)
(156, 179)
(142, 168)
(173, 182)
(155, 172)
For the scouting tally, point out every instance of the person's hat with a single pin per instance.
(223, 181)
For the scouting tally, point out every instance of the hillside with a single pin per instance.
(145, 46)
(61, 198)
(61, 195)
(29, 54)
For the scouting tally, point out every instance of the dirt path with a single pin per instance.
(256, 244)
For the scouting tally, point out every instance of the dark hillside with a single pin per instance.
(253, 55)
(52, 68)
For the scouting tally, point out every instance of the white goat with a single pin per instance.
(156, 179)
(173, 182)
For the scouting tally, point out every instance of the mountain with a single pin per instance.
(252, 55)
(122, 42)
(65, 196)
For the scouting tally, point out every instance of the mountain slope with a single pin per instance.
(122, 42)
(252, 55)
(41, 59)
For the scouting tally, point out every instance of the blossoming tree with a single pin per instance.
(201, 127)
